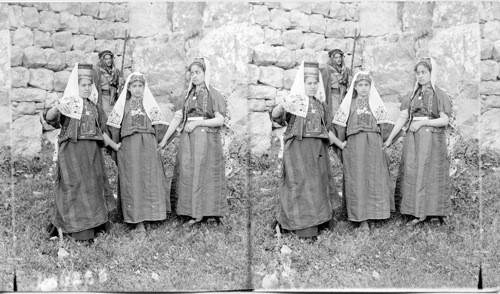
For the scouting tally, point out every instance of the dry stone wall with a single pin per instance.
(255, 49)
(490, 75)
(46, 40)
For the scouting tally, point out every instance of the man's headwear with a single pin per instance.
(106, 52)
(148, 101)
(335, 51)
(71, 94)
(376, 104)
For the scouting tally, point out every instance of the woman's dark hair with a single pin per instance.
(425, 62)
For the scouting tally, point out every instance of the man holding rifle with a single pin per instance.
(110, 80)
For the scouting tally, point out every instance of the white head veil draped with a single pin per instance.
(377, 106)
(297, 101)
(150, 106)
(72, 97)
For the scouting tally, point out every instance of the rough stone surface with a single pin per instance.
(299, 20)
(352, 12)
(492, 101)
(496, 50)
(334, 29)
(337, 10)
(15, 13)
(489, 70)
(23, 37)
(61, 80)
(264, 54)
(314, 41)
(87, 25)
(253, 74)
(83, 43)
(42, 78)
(101, 45)
(89, 8)
(272, 37)
(260, 132)
(49, 21)
(31, 17)
(187, 18)
(261, 15)
(42, 39)
(71, 7)
(257, 105)
(307, 55)
(121, 13)
(486, 49)
(299, 6)
(272, 76)
(106, 11)
(26, 135)
(370, 16)
(55, 60)
(28, 94)
(317, 23)
(446, 14)
(490, 87)
(285, 57)
(19, 77)
(68, 22)
(16, 56)
(489, 134)
(23, 108)
(293, 39)
(491, 30)
(417, 17)
(147, 19)
(62, 41)
(280, 20)
(320, 7)
(120, 30)
(261, 92)
(104, 30)
(75, 56)
(33, 57)
(289, 76)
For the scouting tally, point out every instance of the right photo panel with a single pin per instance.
(489, 139)
(379, 147)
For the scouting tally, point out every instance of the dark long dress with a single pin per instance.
(82, 189)
(423, 185)
(368, 188)
(143, 188)
(307, 194)
(200, 184)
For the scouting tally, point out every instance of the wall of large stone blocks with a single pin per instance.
(254, 48)
(490, 75)
(46, 40)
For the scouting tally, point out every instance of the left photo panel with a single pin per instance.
(6, 197)
(124, 166)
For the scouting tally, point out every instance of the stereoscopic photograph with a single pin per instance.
(258, 146)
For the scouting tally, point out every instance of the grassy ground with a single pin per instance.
(490, 186)
(170, 257)
(392, 255)
(6, 232)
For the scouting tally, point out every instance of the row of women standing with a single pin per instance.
(136, 131)
(360, 131)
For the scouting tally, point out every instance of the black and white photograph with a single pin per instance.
(256, 146)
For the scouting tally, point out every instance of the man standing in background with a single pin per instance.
(109, 82)
(336, 78)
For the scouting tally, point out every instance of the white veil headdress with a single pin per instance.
(297, 102)
(72, 97)
(377, 106)
(150, 105)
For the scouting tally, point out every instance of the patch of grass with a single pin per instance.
(170, 257)
(6, 232)
(392, 255)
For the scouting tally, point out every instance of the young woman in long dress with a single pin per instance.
(423, 185)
